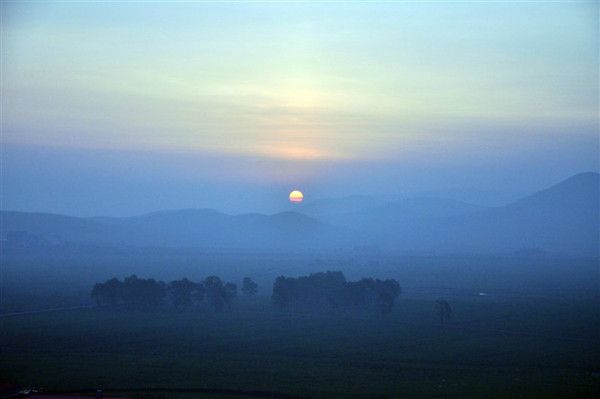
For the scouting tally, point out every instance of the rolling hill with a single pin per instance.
(564, 218)
(180, 228)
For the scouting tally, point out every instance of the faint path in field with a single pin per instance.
(217, 391)
(29, 312)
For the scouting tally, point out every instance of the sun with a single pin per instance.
(296, 196)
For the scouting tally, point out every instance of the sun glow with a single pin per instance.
(296, 196)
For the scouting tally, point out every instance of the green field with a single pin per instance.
(541, 347)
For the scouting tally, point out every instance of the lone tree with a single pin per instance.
(444, 310)
(249, 287)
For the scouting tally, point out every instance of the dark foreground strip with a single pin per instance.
(238, 392)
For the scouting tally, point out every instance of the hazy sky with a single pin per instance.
(128, 107)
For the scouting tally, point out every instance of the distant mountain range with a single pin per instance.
(203, 228)
(564, 218)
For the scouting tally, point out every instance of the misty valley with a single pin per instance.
(98, 302)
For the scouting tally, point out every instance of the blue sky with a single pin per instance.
(233, 104)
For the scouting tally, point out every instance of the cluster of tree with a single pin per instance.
(218, 293)
(323, 291)
(249, 287)
(150, 293)
(132, 291)
(330, 290)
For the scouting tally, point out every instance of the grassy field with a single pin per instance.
(538, 348)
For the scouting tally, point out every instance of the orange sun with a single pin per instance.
(296, 196)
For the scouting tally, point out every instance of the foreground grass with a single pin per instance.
(495, 349)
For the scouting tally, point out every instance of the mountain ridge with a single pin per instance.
(563, 217)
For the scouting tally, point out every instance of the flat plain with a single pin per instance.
(494, 347)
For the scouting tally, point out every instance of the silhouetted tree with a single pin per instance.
(214, 292)
(356, 293)
(283, 292)
(132, 291)
(443, 310)
(107, 293)
(387, 291)
(180, 292)
(330, 290)
(249, 287)
(199, 292)
(141, 292)
(218, 293)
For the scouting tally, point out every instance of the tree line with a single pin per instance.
(330, 291)
(150, 293)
